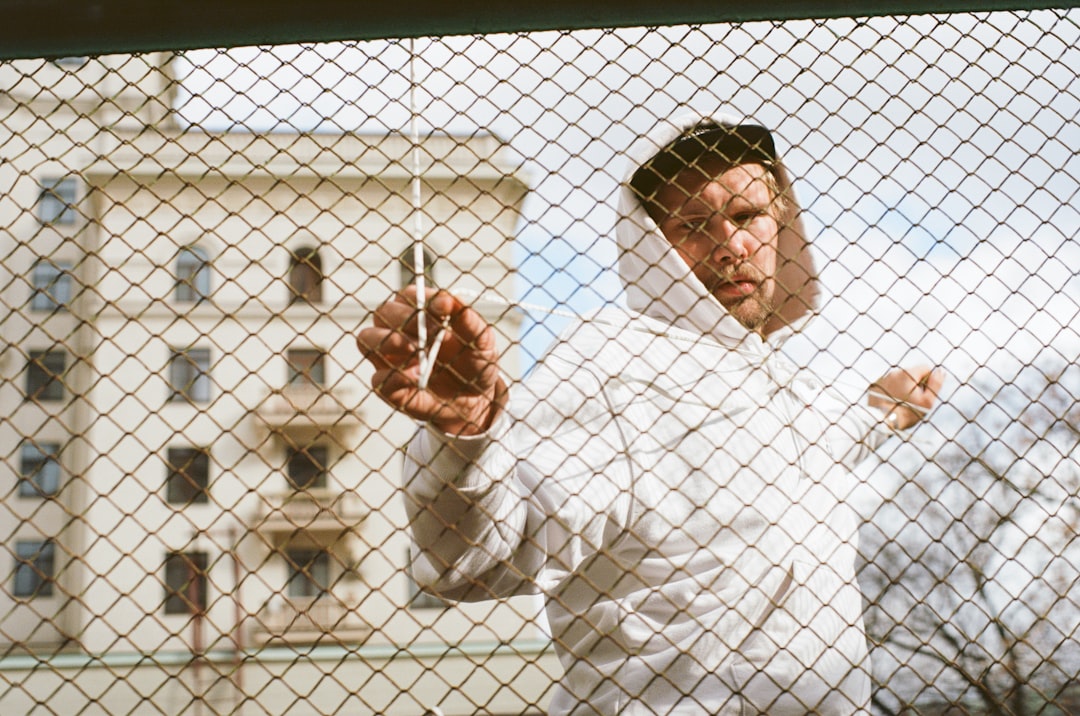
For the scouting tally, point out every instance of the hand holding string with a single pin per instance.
(454, 383)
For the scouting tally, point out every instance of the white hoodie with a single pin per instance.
(675, 489)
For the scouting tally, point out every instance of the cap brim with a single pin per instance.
(732, 144)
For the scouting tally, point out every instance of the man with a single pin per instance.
(669, 482)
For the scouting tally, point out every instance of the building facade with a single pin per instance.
(200, 492)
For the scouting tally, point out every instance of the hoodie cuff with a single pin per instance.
(470, 463)
(883, 425)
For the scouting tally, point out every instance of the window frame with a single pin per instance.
(303, 372)
(187, 475)
(39, 469)
(35, 569)
(193, 275)
(407, 268)
(56, 201)
(308, 573)
(51, 284)
(189, 375)
(308, 456)
(181, 570)
(45, 370)
(306, 267)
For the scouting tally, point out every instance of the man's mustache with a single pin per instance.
(736, 273)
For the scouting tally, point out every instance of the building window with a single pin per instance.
(188, 475)
(56, 203)
(44, 375)
(309, 572)
(192, 275)
(39, 469)
(52, 285)
(306, 468)
(407, 267)
(189, 375)
(306, 366)
(34, 568)
(185, 582)
(306, 275)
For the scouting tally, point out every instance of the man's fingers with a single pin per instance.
(398, 388)
(928, 384)
(396, 315)
(907, 394)
(386, 348)
(441, 308)
(934, 381)
(460, 370)
(467, 326)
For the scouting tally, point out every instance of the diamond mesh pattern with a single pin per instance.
(203, 503)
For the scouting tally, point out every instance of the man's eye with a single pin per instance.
(745, 218)
(695, 225)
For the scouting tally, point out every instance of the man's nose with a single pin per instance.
(730, 242)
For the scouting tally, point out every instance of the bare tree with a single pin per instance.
(971, 564)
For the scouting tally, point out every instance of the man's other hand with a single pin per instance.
(906, 394)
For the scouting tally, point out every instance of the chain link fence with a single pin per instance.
(204, 508)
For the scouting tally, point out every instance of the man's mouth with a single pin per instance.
(734, 287)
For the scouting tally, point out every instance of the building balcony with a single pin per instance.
(307, 620)
(314, 517)
(304, 413)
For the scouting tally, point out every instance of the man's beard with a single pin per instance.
(751, 310)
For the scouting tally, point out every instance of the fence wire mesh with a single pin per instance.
(208, 509)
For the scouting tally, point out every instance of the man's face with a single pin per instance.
(723, 225)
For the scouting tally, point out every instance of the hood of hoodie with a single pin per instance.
(659, 284)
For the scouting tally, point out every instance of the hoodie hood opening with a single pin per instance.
(657, 282)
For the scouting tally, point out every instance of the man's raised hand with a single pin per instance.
(907, 394)
(464, 391)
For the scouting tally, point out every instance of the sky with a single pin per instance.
(935, 157)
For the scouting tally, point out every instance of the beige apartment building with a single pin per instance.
(200, 506)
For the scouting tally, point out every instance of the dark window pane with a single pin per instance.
(185, 582)
(306, 367)
(407, 265)
(44, 375)
(34, 565)
(56, 204)
(192, 275)
(307, 467)
(39, 469)
(306, 275)
(189, 375)
(52, 286)
(309, 572)
(188, 475)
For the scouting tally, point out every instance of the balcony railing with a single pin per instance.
(314, 517)
(302, 413)
(306, 620)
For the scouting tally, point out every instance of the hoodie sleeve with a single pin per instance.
(857, 429)
(519, 508)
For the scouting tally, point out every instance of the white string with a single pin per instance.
(427, 361)
(522, 306)
(427, 364)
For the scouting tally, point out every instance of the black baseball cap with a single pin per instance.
(734, 144)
